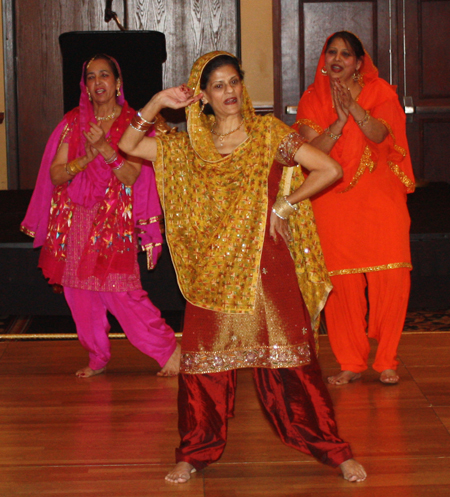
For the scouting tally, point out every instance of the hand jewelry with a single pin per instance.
(332, 135)
(73, 167)
(364, 120)
(283, 208)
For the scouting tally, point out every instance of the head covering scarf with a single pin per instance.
(123, 210)
(380, 98)
(216, 207)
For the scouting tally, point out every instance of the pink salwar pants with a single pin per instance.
(140, 320)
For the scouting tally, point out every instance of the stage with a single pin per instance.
(114, 435)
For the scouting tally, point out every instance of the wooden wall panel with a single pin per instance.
(300, 30)
(434, 67)
(436, 149)
(191, 28)
(322, 19)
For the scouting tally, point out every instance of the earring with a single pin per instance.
(118, 92)
(356, 76)
(89, 95)
(202, 106)
(324, 71)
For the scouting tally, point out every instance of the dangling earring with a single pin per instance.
(356, 76)
(89, 95)
(202, 106)
(324, 71)
(118, 92)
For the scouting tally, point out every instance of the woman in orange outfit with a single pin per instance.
(363, 222)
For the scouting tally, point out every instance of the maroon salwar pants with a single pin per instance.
(296, 402)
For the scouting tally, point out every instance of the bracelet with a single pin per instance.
(140, 124)
(143, 118)
(364, 120)
(283, 208)
(118, 164)
(73, 167)
(332, 135)
(111, 159)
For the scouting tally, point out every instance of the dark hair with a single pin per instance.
(108, 59)
(350, 39)
(211, 66)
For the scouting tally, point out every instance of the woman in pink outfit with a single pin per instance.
(90, 204)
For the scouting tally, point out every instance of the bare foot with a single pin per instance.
(353, 471)
(181, 473)
(389, 377)
(172, 366)
(344, 377)
(88, 372)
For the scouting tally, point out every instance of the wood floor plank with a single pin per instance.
(115, 434)
(98, 481)
(402, 477)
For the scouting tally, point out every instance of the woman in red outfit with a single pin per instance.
(363, 222)
(245, 308)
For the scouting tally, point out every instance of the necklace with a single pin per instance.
(221, 137)
(106, 118)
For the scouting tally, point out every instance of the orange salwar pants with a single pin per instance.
(346, 311)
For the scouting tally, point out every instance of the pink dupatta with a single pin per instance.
(124, 211)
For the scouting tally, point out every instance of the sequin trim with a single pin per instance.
(311, 124)
(395, 168)
(273, 357)
(144, 222)
(287, 149)
(395, 265)
(365, 163)
(149, 252)
(28, 232)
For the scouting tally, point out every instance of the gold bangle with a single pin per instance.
(364, 120)
(283, 208)
(73, 167)
(332, 135)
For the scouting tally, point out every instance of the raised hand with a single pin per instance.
(178, 97)
(342, 98)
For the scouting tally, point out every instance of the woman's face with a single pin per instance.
(100, 81)
(340, 60)
(224, 91)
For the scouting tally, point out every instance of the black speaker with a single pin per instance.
(140, 55)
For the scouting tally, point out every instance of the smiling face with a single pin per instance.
(224, 91)
(101, 82)
(341, 61)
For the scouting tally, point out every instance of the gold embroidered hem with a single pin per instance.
(273, 357)
(365, 163)
(149, 253)
(307, 122)
(27, 231)
(384, 267)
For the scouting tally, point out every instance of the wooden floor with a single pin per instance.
(114, 435)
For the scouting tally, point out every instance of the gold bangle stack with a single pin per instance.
(141, 124)
(73, 167)
(283, 208)
(364, 120)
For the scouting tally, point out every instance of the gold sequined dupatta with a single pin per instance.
(216, 207)
(306, 250)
